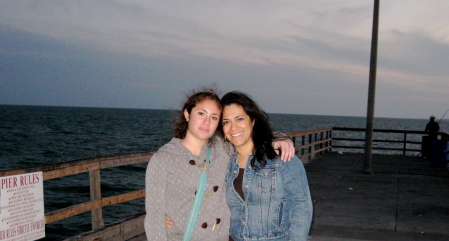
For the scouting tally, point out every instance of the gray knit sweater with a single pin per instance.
(171, 183)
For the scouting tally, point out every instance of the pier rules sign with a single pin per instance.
(22, 215)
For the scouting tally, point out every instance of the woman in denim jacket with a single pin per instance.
(269, 199)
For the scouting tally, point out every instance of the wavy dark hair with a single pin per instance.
(181, 125)
(262, 134)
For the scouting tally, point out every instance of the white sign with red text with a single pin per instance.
(22, 215)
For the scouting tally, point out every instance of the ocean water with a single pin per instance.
(36, 135)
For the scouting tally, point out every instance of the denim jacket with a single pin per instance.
(277, 203)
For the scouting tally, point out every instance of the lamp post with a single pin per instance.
(371, 91)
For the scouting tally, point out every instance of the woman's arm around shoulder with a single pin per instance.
(283, 146)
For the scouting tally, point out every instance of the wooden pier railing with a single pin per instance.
(406, 142)
(312, 143)
(309, 144)
(121, 231)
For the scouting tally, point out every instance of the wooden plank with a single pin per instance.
(107, 201)
(131, 196)
(50, 167)
(78, 165)
(386, 141)
(308, 132)
(95, 195)
(112, 233)
(314, 152)
(127, 159)
(376, 148)
(89, 206)
(123, 198)
(119, 231)
(442, 134)
(71, 211)
(11, 172)
(133, 228)
(140, 237)
(313, 144)
(71, 170)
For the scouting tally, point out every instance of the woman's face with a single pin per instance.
(238, 126)
(203, 119)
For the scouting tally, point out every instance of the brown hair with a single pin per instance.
(181, 125)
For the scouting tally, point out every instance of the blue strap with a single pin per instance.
(197, 201)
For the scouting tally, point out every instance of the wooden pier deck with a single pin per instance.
(404, 199)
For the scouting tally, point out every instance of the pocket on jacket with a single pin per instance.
(279, 216)
(266, 179)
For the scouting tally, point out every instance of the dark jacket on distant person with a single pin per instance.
(432, 128)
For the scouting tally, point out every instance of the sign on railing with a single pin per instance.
(22, 207)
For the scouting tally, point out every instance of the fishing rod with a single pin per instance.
(443, 116)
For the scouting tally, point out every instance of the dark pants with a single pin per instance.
(426, 146)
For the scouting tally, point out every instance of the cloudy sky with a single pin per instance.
(292, 56)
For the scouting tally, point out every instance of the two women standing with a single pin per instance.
(173, 173)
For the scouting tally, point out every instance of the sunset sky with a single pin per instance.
(298, 57)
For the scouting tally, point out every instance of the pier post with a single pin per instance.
(303, 142)
(405, 144)
(95, 195)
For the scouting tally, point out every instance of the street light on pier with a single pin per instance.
(371, 91)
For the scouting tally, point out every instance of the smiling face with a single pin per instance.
(238, 127)
(203, 120)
